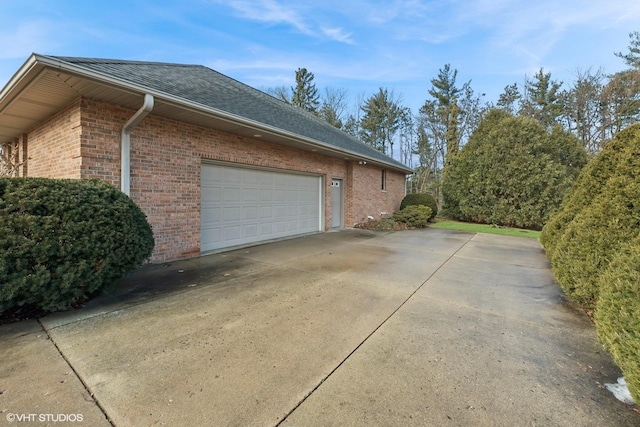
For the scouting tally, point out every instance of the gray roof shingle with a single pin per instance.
(200, 84)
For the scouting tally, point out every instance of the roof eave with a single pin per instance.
(36, 63)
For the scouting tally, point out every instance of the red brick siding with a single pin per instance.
(53, 146)
(166, 158)
(101, 128)
(368, 198)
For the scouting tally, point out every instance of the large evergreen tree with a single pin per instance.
(305, 93)
(511, 172)
(542, 100)
(381, 120)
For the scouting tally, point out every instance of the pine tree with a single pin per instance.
(305, 94)
(381, 120)
(542, 100)
(633, 57)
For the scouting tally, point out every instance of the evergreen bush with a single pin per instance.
(593, 243)
(416, 199)
(414, 215)
(63, 241)
(512, 172)
(618, 313)
(596, 233)
(617, 157)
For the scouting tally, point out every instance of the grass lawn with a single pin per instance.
(483, 228)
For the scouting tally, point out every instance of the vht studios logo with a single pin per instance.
(43, 418)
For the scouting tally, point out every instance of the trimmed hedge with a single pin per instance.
(594, 235)
(512, 172)
(618, 313)
(619, 156)
(414, 216)
(593, 243)
(63, 241)
(417, 199)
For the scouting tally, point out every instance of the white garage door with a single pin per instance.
(241, 206)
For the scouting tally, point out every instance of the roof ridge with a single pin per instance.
(80, 59)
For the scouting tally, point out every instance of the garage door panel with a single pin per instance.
(266, 195)
(250, 194)
(279, 227)
(250, 212)
(211, 215)
(213, 234)
(250, 230)
(232, 194)
(241, 206)
(266, 212)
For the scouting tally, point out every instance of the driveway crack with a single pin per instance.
(77, 374)
(326, 377)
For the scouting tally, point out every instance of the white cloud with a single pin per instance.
(338, 34)
(270, 12)
(304, 17)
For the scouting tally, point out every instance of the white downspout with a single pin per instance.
(125, 143)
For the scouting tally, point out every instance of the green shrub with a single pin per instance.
(600, 214)
(596, 233)
(424, 199)
(512, 172)
(414, 215)
(620, 156)
(618, 313)
(63, 241)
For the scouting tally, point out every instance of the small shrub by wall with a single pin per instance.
(414, 216)
(416, 199)
(62, 241)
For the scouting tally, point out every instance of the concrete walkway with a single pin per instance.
(427, 327)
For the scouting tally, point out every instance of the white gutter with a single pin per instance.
(125, 143)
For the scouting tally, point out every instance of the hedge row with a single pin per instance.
(63, 241)
(618, 313)
(593, 243)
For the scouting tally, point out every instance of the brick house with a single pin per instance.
(213, 163)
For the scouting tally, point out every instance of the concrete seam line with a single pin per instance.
(77, 374)
(326, 377)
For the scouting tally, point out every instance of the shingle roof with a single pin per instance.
(200, 84)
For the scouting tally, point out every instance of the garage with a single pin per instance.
(242, 205)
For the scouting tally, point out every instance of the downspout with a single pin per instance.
(125, 143)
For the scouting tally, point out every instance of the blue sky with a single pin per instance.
(355, 45)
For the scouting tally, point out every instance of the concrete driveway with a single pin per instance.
(427, 327)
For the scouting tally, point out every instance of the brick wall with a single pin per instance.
(166, 158)
(53, 147)
(368, 198)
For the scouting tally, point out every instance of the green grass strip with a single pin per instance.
(484, 228)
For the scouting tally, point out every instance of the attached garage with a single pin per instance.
(213, 163)
(242, 205)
